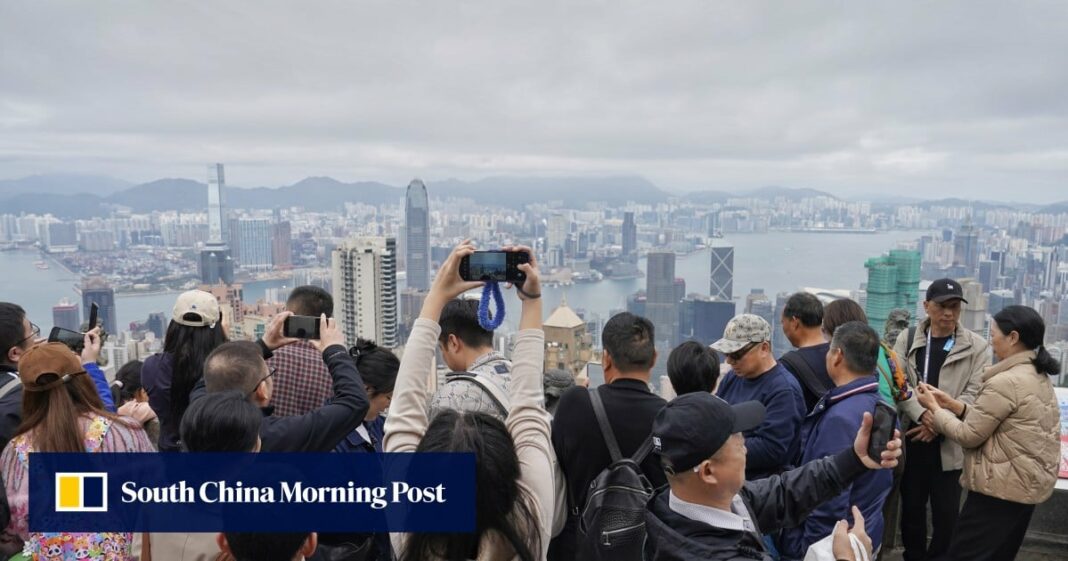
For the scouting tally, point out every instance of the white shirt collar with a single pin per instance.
(736, 519)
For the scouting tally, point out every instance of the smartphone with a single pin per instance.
(94, 311)
(73, 339)
(595, 374)
(882, 430)
(301, 327)
(500, 266)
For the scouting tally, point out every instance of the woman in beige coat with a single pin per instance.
(1010, 436)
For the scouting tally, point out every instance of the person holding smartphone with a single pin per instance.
(832, 426)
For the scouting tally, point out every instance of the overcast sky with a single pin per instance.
(924, 99)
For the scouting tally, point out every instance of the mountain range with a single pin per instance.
(84, 196)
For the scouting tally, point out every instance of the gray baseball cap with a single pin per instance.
(742, 330)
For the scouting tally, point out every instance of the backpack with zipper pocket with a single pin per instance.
(612, 522)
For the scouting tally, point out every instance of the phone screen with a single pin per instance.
(301, 327)
(882, 430)
(488, 265)
(94, 311)
(595, 374)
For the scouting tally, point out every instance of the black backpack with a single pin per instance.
(612, 525)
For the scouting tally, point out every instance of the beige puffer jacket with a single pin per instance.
(1011, 434)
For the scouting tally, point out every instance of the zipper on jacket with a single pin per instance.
(606, 537)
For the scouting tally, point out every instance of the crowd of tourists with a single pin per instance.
(758, 457)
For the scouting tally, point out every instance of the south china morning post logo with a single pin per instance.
(266, 492)
(81, 492)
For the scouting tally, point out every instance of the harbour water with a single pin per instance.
(774, 261)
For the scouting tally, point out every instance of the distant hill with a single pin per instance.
(1055, 208)
(63, 184)
(708, 197)
(518, 192)
(958, 202)
(774, 192)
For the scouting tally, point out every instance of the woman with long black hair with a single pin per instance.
(1010, 436)
(168, 377)
(513, 459)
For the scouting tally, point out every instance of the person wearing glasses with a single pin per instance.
(241, 366)
(755, 375)
(17, 336)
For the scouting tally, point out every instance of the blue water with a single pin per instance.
(776, 262)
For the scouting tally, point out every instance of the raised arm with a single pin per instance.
(407, 420)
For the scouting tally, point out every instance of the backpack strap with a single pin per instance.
(606, 429)
(643, 450)
(495, 392)
(799, 366)
(9, 386)
(908, 344)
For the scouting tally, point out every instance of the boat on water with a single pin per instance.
(41, 265)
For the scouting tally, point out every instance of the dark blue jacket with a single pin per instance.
(355, 443)
(773, 445)
(831, 427)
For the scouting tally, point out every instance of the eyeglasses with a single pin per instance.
(262, 380)
(34, 333)
(740, 353)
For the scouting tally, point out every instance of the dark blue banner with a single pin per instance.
(269, 492)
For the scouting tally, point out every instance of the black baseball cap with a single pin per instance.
(944, 290)
(692, 427)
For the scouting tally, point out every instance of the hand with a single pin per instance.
(329, 334)
(927, 420)
(944, 399)
(921, 433)
(927, 398)
(93, 342)
(274, 336)
(841, 545)
(860, 446)
(448, 284)
(532, 284)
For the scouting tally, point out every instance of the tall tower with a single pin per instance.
(66, 315)
(721, 283)
(417, 235)
(630, 238)
(365, 289)
(216, 263)
(96, 290)
(662, 304)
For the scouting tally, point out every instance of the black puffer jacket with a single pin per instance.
(779, 501)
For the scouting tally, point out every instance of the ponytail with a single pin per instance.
(1045, 363)
(377, 366)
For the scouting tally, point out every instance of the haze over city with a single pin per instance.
(956, 99)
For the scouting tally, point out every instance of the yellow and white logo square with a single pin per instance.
(81, 492)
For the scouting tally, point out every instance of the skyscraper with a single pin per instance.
(721, 284)
(254, 237)
(630, 238)
(65, 314)
(662, 304)
(966, 248)
(892, 283)
(365, 289)
(417, 235)
(282, 244)
(96, 290)
(973, 314)
(216, 264)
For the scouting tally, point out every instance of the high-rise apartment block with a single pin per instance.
(365, 289)
(97, 290)
(892, 283)
(568, 344)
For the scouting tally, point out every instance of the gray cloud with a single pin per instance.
(954, 98)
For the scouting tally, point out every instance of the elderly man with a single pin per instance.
(710, 511)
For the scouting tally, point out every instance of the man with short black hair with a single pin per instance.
(268, 547)
(629, 354)
(711, 511)
(241, 366)
(756, 376)
(479, 375)
(302, 382)
(802, 323)
(831, 427)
